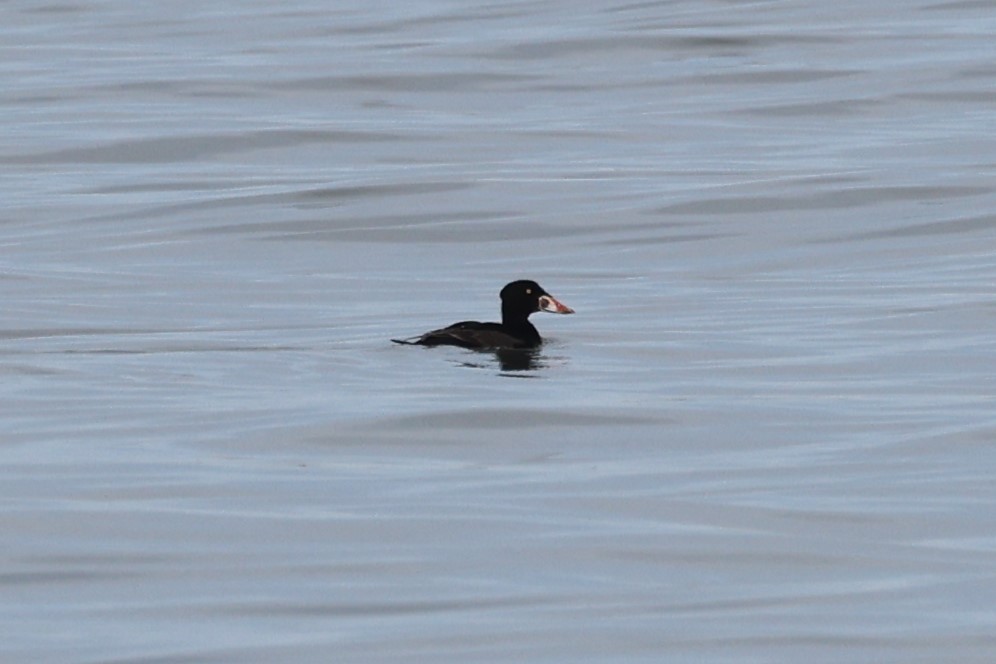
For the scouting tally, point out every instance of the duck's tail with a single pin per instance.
(410, 341)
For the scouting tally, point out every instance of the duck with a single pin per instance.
(519, 300)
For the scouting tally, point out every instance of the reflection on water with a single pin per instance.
(508, 359)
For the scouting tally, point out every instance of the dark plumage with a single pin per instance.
(519, 299)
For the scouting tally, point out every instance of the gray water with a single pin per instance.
(766, 435)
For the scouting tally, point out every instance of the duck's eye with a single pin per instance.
(529, 291)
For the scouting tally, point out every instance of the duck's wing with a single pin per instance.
(467, 334)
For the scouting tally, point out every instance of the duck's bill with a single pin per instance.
(551, 304)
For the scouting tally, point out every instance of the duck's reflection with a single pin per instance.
(512, 359)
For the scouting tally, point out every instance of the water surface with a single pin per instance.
(765, 436)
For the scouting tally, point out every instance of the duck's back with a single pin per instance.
(472, 334)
